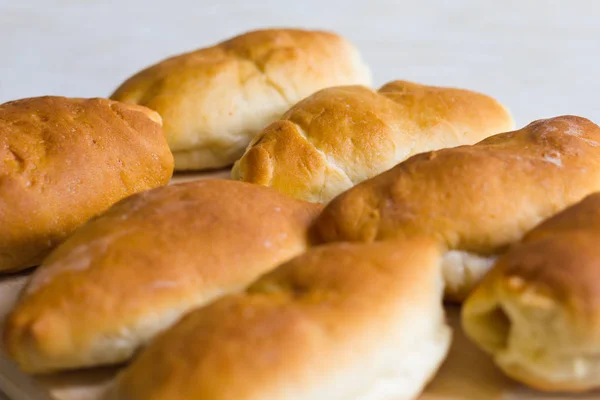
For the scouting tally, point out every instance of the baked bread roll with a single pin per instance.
(474, 199)
(136, 269)
(341, 136)
(538, 311)
(344, 321)
(214, 100)
(63, 160)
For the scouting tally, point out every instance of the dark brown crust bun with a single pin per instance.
(63, 160)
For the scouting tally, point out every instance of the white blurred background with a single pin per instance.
(540, 57)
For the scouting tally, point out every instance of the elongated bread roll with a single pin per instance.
(63, 160)
(475, 199)
(135, 270)
(341, 136)
(214, 100)
(343, 321)
(538, 311)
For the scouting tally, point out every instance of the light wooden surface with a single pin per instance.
(540, 57)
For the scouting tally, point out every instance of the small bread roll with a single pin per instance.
(476, 199)
(136, 269)
(344, 321)
(214, 100)
(63, 160)
(341, 136)
(538, 311)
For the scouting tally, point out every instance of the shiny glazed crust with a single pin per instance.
(136, 269)
(62, 161)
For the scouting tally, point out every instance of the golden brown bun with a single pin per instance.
(214, 100)
(63, 160)
(538, 311)
(341, 136)
(345, 321)
(136, 269)
(475, 199)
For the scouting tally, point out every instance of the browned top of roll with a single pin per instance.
(213, 100)
(64, 160)
(477, 198)
(341, 136)
(151, 257)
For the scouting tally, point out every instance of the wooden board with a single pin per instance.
(466, 374)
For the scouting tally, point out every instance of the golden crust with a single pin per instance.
(479, 198)
(62, 161)
(538, 311)
(341, 136)
(308, 328)
(214, 100)
(134, 270)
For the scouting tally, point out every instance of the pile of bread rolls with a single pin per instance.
(320, 270)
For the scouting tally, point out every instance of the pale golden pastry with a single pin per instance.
(538, 311)
(341, 136)
(63, 160)
(133, 271)
(342, 321)
(214, 100)
(477, 199)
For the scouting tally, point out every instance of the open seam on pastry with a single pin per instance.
(463, 269)
(328, 159)
(260, 68)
